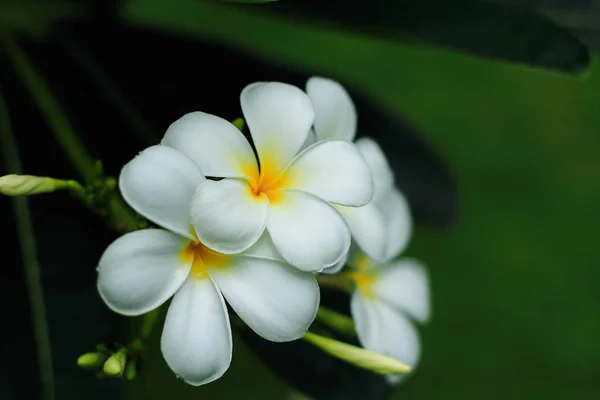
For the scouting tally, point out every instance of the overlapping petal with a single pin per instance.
(141, 270)
(308, 232)
(159, 184)
(333, 170)
(396, 213)
(383, 176)
(335, 115)
(368, 228)
(214, 144)
(384, 330)
(337, 267)
(276, 300)
(279, 117)
(196, 340)
(404, 285)
(227, 217)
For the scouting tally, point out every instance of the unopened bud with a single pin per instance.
(115, 365)
(25, 185)
(91, 360)
(362, 358)
(130, 370)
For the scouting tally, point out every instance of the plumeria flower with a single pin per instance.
(382, 227)
(143, 269)
(389, 294)
(387, 298)
(281, 190)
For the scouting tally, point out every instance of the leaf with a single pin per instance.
(509, 32)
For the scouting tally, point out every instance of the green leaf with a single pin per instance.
(483, 28)
(509, 32)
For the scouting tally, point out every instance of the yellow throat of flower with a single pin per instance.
(202, 259)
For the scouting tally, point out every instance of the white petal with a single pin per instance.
(279, 117)
(159, 184)
(396, 214)
(227, 217)
(333, 170)
(310, 140)
(383, 176)
(368, 228)
(308, 232)
(404, 284)
(196, 340)
(276, 300)
(335, 115)
(385, 330)
(264, 248)
(214, 144)
(337, 267)
(141, 270)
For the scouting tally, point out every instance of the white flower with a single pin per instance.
(382, 227)
(286, 193)
(143, 269)
(386, 298)
(388, 293)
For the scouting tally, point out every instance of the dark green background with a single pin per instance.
(516, 305)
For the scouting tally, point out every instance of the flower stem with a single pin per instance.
(123, 218)
(340, 282)
(336, 321)
(9, 148)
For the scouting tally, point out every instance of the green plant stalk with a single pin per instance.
(339, 282)
(48, 105)
(337, 321)
(29, 255)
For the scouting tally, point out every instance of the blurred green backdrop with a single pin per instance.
(515, 282)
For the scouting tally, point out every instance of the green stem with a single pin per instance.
(339, 282)
(28, 253)
(62, 129)
(336, 321)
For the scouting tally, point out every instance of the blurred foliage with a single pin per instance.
(514, 282)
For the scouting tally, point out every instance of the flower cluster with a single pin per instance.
(254, 223)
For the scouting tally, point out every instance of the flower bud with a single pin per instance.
(24, 185)
(360, 357)
(130, 370)
(91, 360)
(115, 365)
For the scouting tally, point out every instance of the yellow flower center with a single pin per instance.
(364, 282)
(364, 276)
(268, 182)
(202, 259)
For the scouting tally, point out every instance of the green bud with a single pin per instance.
(91, 360)
(115, 365)
(362, 358)
(130, 371)
(24, 185)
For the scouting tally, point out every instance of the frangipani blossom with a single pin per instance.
(389, 294)
(141, 270)
(286, 192)
(387, 297)
(382, 227)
